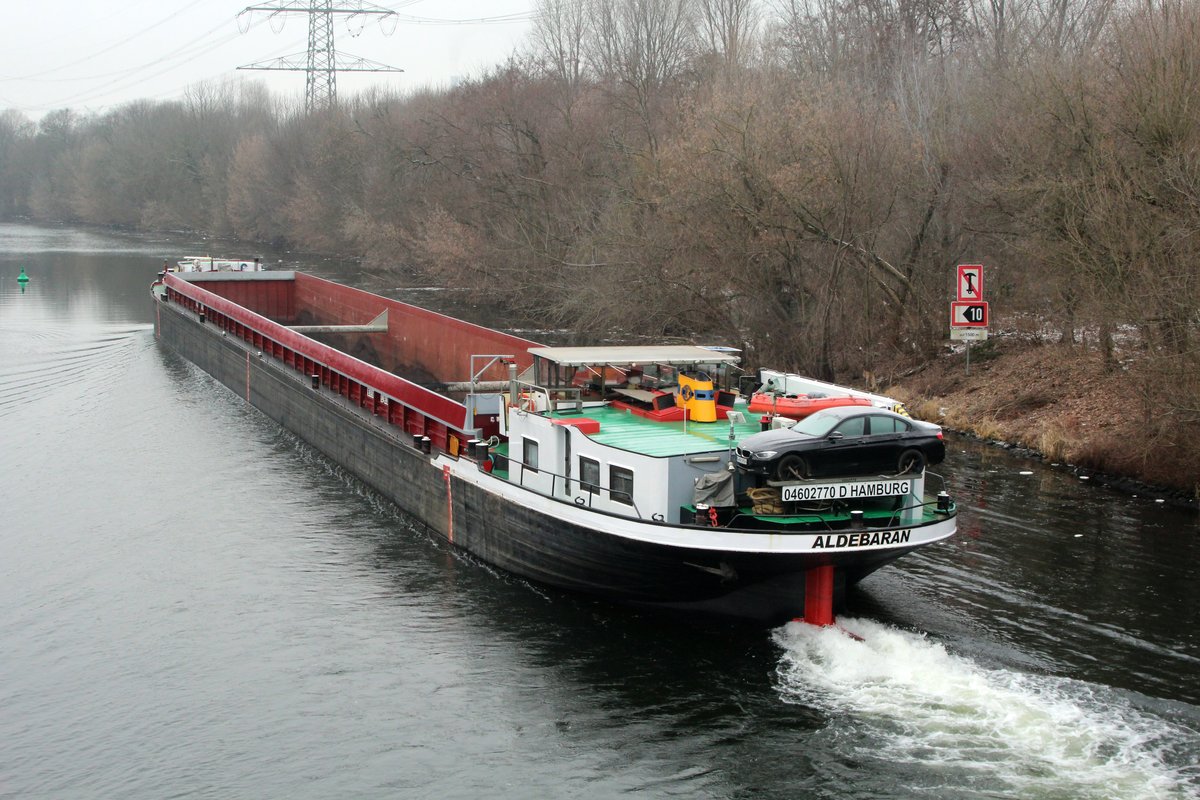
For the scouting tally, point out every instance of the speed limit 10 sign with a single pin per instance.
(969, 315)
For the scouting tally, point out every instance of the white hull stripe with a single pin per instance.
(701, 538)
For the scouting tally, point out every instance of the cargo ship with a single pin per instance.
(609, 471)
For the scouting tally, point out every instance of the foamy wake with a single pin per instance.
(1006, 733)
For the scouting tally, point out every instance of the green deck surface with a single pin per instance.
(841, 517)
(928, 514)
(622, 429)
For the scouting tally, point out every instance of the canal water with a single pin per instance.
(195, 604)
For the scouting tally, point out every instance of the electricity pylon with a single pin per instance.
(322, 62)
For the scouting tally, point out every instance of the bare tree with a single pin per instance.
(868, 39)
(1071, 26)
(559, 30)
(729, 28)
(641, 46)
(16, 137)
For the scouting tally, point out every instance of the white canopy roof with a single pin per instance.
(676, 355)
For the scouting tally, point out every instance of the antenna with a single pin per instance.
(322, 62)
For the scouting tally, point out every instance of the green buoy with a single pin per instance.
(23, 278)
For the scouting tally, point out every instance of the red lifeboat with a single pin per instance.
(800, 405)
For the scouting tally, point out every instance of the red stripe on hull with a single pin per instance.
(260, 310)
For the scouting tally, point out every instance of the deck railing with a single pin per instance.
(579, 500)
(528, 393)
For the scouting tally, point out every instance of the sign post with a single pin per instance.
(969, 312)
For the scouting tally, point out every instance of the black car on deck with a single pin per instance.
(847, 440)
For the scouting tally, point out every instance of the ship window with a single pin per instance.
(589, 475)
(530, 454)
(620, 485)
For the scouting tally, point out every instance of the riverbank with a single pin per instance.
(1057, 401)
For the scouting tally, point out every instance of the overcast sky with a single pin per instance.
(96, 54)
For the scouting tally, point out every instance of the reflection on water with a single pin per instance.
(193, 602)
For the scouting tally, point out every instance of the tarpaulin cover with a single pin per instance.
(715, 489)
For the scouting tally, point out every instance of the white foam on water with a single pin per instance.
(1007, 733)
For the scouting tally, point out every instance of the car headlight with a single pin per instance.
(766, 454)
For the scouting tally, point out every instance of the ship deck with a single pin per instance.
(627, 431)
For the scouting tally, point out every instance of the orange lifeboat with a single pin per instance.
(800, 405)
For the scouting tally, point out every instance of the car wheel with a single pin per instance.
(791, 467)
(910, 461)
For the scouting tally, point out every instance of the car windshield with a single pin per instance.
(815, 425)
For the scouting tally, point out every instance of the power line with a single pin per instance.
(135, 75)
(192, 47)
(518, 16)
(111, 47)
(524, 16)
